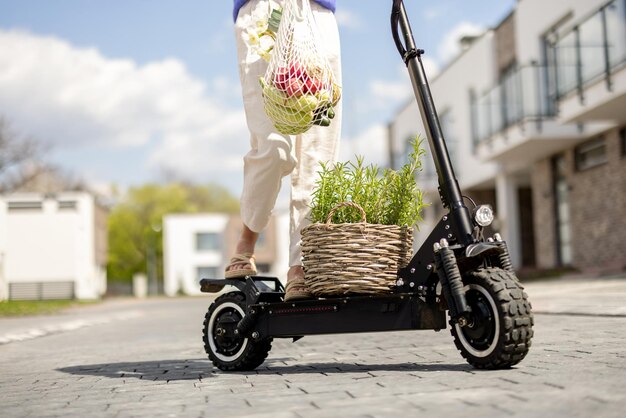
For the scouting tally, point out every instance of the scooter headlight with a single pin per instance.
(483, 215)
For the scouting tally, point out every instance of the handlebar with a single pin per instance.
(396, 11)
(395, 19)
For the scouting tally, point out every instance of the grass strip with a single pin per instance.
(15, 308)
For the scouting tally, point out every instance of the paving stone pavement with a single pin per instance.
(145, 358)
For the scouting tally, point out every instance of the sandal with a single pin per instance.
(296, 289)
(242, 259)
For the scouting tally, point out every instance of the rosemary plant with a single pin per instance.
(387, 196)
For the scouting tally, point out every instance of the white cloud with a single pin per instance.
(217, 147)
(348, 19)
(392, 92)
(434, 12)
(384, 90)
(76, 97)
(225, 87)
(430, 67)
(449, 47)
(372, 144)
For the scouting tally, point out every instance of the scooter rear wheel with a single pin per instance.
(499, 333)
(227, 350)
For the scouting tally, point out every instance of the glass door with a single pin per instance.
(562, 211)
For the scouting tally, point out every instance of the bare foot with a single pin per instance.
(296, 289)
(245, 245)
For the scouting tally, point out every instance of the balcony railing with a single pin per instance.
(588, 51)
(593, 49)
(521, 95)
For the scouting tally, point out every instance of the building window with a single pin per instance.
(562, 211)
(591, 47)
(615, 17)
(24, 206)
(590, 154)
(207, 272)
(446, 121)
(67, 205)
(473, 118)
(428, 166)
(589, 50)
(403, 158)
(208, 241)
(510, 95)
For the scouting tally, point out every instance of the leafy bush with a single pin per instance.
(388, 197)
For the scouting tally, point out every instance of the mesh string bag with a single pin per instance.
(299, 88)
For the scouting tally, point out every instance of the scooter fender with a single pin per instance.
(483, 249)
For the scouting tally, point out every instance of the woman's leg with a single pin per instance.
(319, 144)
(270, 157)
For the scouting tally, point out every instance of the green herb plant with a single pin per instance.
(388, 197)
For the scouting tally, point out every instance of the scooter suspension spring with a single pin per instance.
(455, 283)
(246, 323)
(504, 257)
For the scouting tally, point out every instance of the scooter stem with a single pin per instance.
(449, 189)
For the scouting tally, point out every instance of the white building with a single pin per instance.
(534, 113)
(197, 246)
(52, 246)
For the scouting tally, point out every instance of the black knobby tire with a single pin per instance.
(227, 352)
(500, 333)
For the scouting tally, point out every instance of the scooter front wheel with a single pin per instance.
(499, 332)
(226, 349)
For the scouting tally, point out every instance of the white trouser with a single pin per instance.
(273, 155)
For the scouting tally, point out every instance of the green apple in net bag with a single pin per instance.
(304, 103)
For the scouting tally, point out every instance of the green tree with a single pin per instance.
(136, 222)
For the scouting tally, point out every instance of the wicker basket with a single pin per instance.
(354, 258)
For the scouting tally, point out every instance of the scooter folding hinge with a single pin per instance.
(444, 201)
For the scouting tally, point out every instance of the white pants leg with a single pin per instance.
(272, 155)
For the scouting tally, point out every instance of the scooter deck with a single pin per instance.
(268, 316)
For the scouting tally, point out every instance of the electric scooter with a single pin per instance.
(456, 273)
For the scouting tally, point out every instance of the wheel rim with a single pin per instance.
(225, 317)
(481, 336)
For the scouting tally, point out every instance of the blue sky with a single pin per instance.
(131, 91)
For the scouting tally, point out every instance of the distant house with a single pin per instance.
(533, 112)
(52, 246)
(197, 246)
